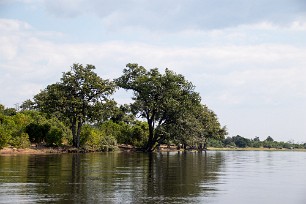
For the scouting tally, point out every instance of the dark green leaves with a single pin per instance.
(164, 100)
(79, 97)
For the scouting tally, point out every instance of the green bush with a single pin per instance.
(96, 139)
(133, 134)
(90, 138)
(214, 143)
(52, 131)
(139, 134)
(37, 132)
(21, 141)
(5, 136)
(256, 144)
(58, 134)
(54, 137)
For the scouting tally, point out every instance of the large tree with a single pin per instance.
(79, 97)
(196, 126)
(161, 99)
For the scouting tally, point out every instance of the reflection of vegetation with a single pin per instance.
(114, 177)
(182, 175)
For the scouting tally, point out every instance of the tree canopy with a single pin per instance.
(79, 97)
(167, 101)
(78, 110)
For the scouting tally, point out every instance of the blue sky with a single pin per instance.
(246, 59)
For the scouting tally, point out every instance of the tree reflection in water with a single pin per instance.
(118, 177)
(183, 175)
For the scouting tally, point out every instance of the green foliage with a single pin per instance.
(269, 139)
(135, 134)
(58, 134)
(242, 142)
(54, 137)
(12, 130)
(1, 108)
(5, 136)
(95, 139)
(215, 143)
(51, 131)
(256, 144)
(108, 134)
(139, 134)
(37, 132)
(79, 97)
(10, 111)
(123, 113)
(27, 105)
(164, 100)
(21, 141)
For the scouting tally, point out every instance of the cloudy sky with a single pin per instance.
(247, 59)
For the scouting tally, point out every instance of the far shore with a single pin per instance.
(252, 149)
(68, 149)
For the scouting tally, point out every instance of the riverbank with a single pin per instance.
(35, 150)
(68, 149)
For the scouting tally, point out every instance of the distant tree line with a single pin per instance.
(79, 111)
(242, 142)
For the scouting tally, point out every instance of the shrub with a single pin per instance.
(90, 138)
(5, 136)
(37, 132)
(96, 139)
(21, 141)
(214, 143)
(54, 137)
(256, 144)
(58, 134)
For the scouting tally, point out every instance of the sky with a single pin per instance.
(247, 59)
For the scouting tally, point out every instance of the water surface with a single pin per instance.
(128, 177)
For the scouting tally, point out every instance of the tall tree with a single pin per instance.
(196, 126)
(161, 99)
(79, 97)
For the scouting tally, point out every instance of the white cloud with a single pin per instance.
(27, 52)
(180, 14)
(173, 15)
(298, 25)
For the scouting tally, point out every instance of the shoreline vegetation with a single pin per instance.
(41, 150)
(78, 114)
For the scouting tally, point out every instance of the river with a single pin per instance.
(216, 177)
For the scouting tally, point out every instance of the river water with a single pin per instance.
(217, 177)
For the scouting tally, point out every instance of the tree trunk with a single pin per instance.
(205, 144)
(151, 142)
(200, 147)
(185, 146)
(73, 130)
(78, 134)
